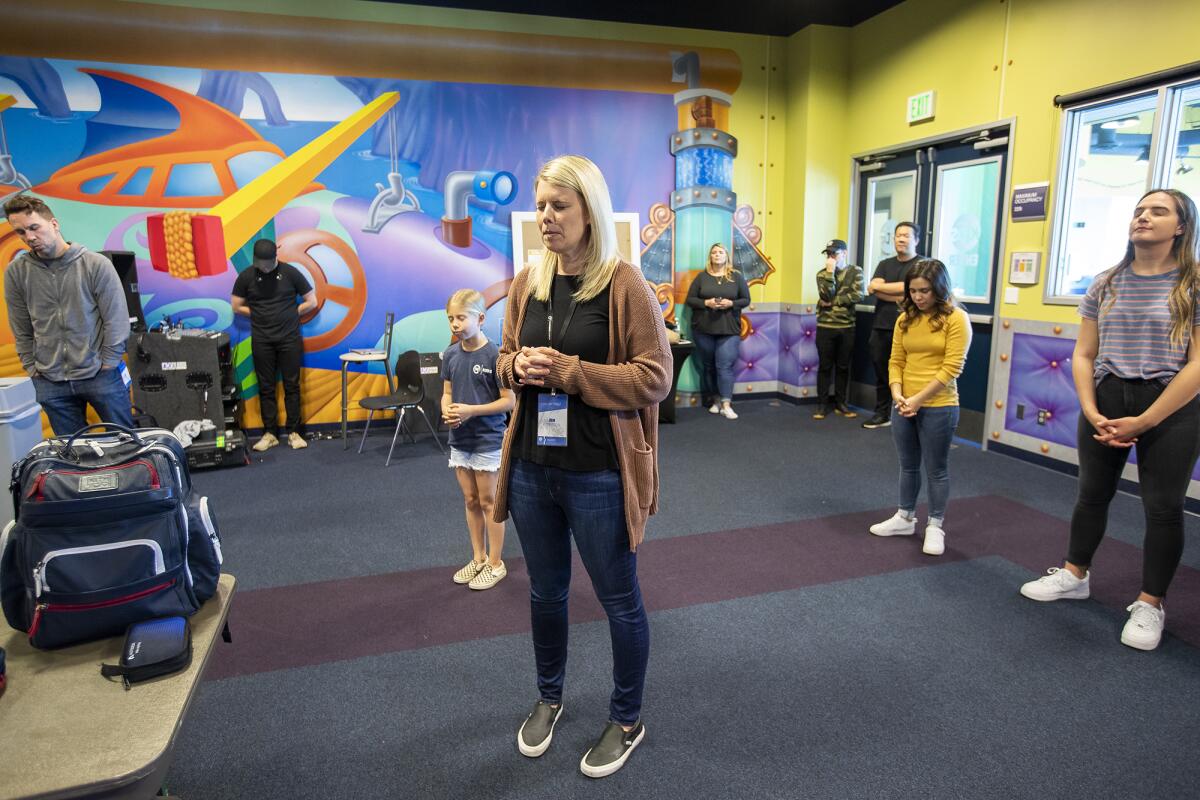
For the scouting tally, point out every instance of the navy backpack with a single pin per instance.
(108, 532)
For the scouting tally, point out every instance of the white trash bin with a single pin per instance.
(20, 430)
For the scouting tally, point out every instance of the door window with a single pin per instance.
(967, 198)
(890, 199)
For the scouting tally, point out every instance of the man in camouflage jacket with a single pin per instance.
(840, 286)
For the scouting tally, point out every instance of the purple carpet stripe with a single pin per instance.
(318, 623)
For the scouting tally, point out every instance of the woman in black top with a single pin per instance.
(716, 297)
(585, 350)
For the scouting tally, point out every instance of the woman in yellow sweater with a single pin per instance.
(929, 349)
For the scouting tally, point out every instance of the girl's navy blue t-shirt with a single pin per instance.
(472, 377)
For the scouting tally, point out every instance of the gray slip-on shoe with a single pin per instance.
(537, 730)
(611, 750)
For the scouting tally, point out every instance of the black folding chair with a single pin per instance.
(409, 394)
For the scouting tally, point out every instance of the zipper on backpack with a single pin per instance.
(211, 530)
(41, 608)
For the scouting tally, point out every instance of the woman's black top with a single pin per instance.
(713, 321)
(590, 444)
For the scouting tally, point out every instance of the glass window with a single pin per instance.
(138, 182)
(1184, 163)
(193, 180)
(1106, 169)
(97, 184)
(968, 199)
(247, 166)
(891, 199)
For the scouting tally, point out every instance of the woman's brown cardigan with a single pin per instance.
(630, 386)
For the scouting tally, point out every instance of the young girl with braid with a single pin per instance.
(1137, 372)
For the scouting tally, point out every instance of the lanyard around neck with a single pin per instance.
(562, 332)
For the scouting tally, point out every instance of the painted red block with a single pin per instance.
(208, 243)
(158, 242)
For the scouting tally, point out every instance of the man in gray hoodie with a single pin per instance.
(68, 316)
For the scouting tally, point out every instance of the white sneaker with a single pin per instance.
(1145, 626)
(935, 540)
(896, 525)
(1058, 584)
(267, 441)
(728, 413)
(714, 409)
(296, 441)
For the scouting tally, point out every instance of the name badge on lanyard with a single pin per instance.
(552, 420)
(552, 408)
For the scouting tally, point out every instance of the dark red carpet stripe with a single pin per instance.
(317, 623)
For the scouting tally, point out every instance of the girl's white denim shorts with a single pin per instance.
(487, 461)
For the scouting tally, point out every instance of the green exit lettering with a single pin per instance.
(920, 107)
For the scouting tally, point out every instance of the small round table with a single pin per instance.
(361, 358)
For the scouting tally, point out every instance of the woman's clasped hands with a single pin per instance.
(532, 365)
(907, 406)
(1121, 432)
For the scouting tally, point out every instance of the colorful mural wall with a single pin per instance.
(111, 145)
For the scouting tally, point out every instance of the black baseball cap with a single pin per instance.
(834, 245)
(264, 255)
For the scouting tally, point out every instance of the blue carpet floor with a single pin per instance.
(928, 681)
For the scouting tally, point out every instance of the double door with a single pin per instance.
(953, 189)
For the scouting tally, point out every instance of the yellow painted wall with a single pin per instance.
(818, 86)
(993, 59)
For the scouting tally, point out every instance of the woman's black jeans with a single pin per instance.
(1166, 455)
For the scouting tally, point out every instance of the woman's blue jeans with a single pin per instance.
(549, 506)
(925, 438)
(716, 356)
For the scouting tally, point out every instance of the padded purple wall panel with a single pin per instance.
(780, 347)
(798, 349)
(1040, 379)
(758, 356)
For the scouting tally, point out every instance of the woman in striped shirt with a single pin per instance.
(1137, 372)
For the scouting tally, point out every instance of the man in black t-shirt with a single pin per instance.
(887, 284)
(266, 293)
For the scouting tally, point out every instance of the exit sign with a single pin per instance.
(920, 107)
